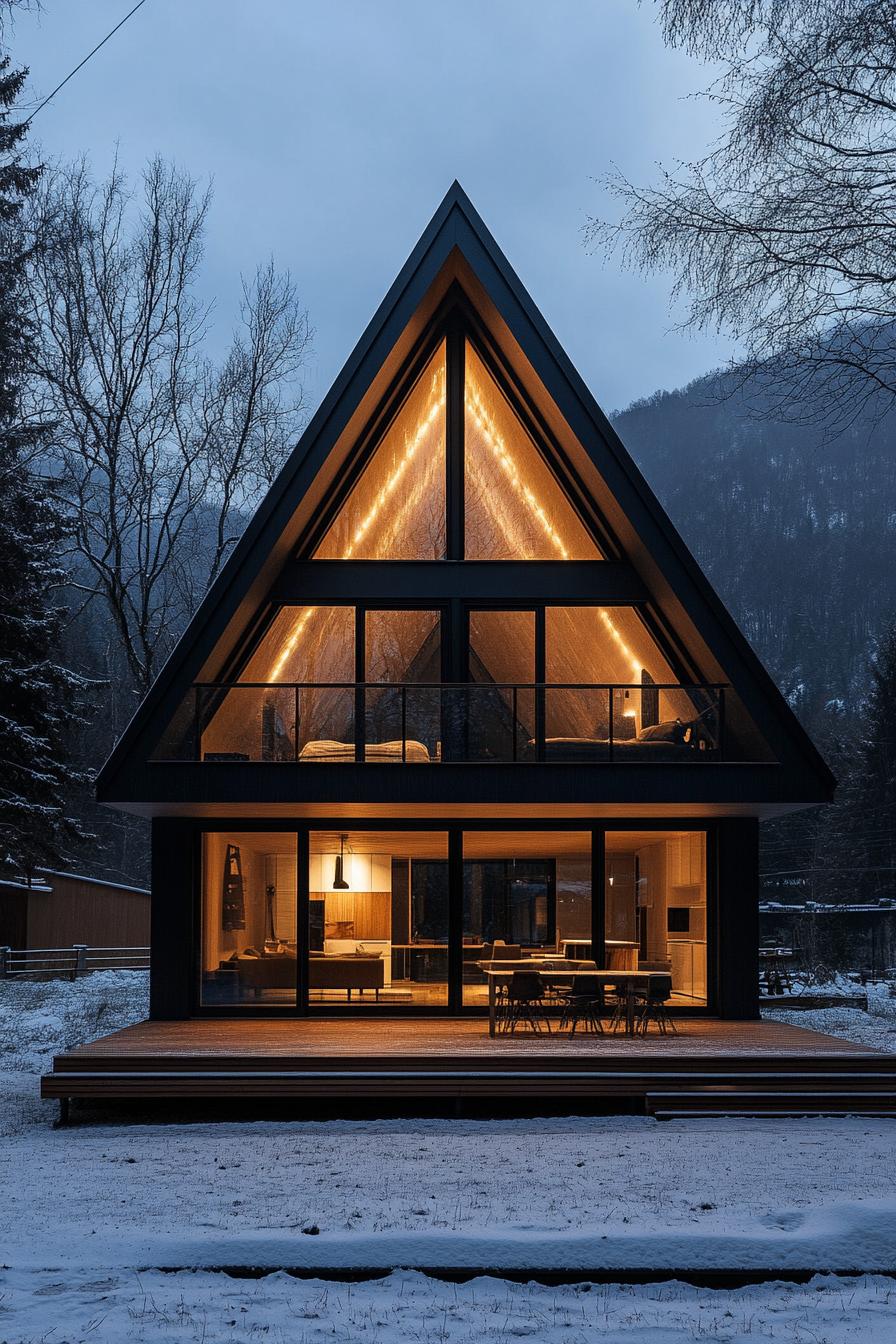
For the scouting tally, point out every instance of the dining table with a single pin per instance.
(626, 983)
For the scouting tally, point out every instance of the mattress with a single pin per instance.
(373, 751)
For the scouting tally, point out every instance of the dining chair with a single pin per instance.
(584, 1002)
(524, 1002)
(655, 998)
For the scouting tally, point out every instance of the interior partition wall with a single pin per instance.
(394, 917)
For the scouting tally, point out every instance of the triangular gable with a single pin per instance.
(456, 250)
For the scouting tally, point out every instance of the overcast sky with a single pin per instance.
(332, 128)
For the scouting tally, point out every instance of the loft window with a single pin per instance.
(514, 509)
(396, 511)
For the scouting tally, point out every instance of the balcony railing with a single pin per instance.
(421, 723)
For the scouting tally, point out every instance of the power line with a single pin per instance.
(72, 73)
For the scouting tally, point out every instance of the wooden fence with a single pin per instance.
(50, 962)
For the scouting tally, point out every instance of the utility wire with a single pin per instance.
(72, 73)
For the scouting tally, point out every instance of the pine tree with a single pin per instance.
(37, 695)
(874, 787)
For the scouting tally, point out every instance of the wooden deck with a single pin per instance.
(707, 1067)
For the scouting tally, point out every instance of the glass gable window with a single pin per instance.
(500, 709)
(269, 723)
(397, 509)
(612, 648)
(402, 719)
(514, 508)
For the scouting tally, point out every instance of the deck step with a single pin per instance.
(742, 1101)
(670, 1091)
(660, 1065)
(781, 1112)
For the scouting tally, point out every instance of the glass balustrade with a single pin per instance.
(415, 723)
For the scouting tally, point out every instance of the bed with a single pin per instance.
(668, 741)
(391, 752)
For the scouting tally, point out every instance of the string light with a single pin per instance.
(477, 409)
(626, 651)
(394, 480)
(289, 647)
(400, 469)
(484, 423)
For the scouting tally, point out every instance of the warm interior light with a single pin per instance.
(476, 406)
(399, 471)
(385, 494)
(486, 426)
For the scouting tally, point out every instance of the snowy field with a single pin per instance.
(89, 1214)
(409, 1308)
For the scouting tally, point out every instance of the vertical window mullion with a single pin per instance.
(360, 678)
(540, 678)
(455, 918)
(598, 896)
(454, 441)
(302, 920)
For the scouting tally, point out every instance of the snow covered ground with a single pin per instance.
(89, 1215)
(149, 1308)
(876, 1027)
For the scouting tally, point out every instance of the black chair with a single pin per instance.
(616, 995)
(583, 1003)
(524, 1002)
(656, 995)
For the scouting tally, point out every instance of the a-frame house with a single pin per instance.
(460, 698)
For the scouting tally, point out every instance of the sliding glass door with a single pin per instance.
(655, 898)
(526, 895)
(378, 919)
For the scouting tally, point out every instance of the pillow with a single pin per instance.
(671, 731)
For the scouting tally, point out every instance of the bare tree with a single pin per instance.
(156, 451)
(785, 233)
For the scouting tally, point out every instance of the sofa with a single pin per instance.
(278, 971)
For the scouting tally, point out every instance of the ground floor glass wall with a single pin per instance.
(384, 926)
(248, 918)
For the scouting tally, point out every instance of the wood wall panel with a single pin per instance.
(369, 912)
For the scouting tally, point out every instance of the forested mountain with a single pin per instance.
(795, 528)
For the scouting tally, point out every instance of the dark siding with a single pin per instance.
(172, 962)
(738, 918)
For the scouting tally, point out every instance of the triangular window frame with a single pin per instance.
(455, 329)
